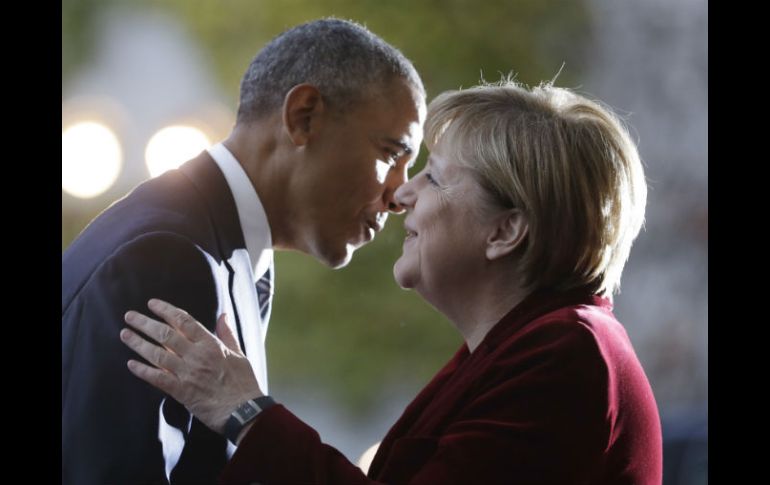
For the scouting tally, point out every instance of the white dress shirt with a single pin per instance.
(251, 213)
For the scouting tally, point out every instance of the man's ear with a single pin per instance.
(301, 109)
(508, 234)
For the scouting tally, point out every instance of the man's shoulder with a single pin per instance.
(156, 251)
(168, 202)
(146, 261)
(151, 213)
(156, 246)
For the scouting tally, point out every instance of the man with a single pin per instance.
(330, 118)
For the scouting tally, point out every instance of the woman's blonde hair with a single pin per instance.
(566, 161)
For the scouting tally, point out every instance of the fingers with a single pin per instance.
(157, 356)
(163, 380)
(160, 332)
(226, 335)
(179, 319)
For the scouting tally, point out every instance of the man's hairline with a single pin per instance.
(363, 96)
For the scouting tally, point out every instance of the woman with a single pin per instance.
(517, 230)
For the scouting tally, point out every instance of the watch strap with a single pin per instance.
(244, 414)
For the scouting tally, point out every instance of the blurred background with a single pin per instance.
(149, 84)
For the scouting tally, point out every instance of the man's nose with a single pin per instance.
(395, 181)
(403, 197)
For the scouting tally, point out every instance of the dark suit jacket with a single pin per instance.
(553, 395)
(170, 238)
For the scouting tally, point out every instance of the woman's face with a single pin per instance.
(447, 227)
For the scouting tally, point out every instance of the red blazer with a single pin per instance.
(554, 394)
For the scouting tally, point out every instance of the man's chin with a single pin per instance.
(341, 258)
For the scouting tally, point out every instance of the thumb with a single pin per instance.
(226, 335)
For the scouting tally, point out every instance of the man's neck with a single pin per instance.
(256, 148)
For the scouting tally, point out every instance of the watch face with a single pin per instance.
(247, 411)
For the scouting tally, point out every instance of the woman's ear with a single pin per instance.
(508, 234)
(302, 108)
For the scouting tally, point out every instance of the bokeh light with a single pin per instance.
(91, 159)
(172, 146)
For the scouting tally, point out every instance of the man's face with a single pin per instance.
(360, 158)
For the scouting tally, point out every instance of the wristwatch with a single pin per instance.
(243, 414)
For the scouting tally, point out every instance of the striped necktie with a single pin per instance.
(265, 294)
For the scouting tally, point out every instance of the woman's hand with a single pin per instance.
(209, 376)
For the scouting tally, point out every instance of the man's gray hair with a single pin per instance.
(343, 59)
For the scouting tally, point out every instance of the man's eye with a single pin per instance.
(430, 178)
(392, 158)
(383, 168)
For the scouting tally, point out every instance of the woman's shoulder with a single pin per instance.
(577, 339)
(587, 327)
(581, 343)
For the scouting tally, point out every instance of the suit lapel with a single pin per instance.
(233, 256)
(208, 179)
